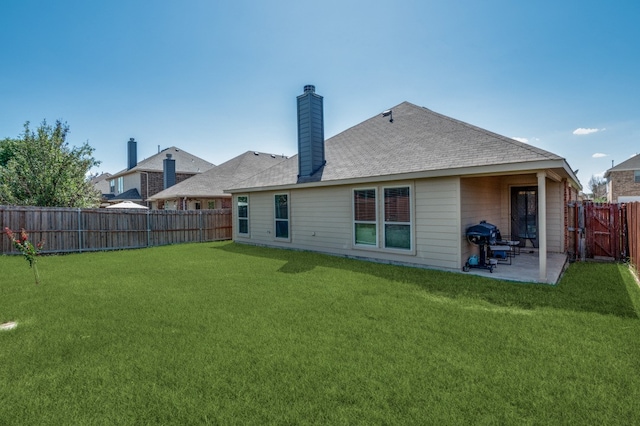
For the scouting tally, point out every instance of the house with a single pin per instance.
(141, 180)
(403, 187)
(623, 181)
(206, 190)
(101, 183)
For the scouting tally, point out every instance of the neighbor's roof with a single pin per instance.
(632, 163)
(418, 140)
(214, 181)
(185, 163)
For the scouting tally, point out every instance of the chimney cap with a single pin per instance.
(309, 88)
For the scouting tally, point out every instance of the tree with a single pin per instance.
(598, 187)
(40, 169)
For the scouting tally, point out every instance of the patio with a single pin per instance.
(525, 267)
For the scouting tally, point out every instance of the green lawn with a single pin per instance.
(222, 333)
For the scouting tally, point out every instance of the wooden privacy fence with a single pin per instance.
(605, 231)
(633, 229)
(76, 230)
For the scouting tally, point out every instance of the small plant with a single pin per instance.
(27, 248)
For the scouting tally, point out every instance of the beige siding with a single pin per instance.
(480, 200)
(437, 222)
(555, 217)
(321, 219)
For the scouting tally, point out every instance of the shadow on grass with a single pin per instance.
(589, 287)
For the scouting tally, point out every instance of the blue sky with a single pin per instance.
(218, 78)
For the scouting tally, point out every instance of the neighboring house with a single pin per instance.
(101, 183)
(206, 190)
(403, 187)
(142, 180)
(623, 181)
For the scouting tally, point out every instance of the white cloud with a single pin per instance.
(523, 140)
(582, 131)
(599, 155)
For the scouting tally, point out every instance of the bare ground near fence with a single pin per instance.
(68, 230)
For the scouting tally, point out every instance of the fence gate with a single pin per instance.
(600, 230)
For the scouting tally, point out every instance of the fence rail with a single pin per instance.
(68, 230)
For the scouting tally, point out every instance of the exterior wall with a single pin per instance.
(151, 183)
(622, 183)
(321, 219)
(178, 204)
(480, 199)
(131, 181)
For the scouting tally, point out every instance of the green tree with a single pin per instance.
(40, 169)
(598, 186)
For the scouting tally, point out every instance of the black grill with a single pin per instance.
(483, 235)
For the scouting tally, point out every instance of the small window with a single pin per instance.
(243, 214)
(364, 217)
(120, 185)
(112, 186)
(636, 176)
(198, 205)
(282, 216)
(211, 205)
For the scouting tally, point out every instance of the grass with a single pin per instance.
(222, 333)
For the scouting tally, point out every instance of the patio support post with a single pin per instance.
(542, 225)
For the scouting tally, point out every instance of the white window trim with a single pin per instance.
(238, 216)
(366, 222)
(288, 220)
(380, 222)
(411, 225)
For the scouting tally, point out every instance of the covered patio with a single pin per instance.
(525, 267)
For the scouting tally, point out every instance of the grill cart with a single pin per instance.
(482, 235)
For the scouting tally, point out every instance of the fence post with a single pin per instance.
(200, 224)
(148, 228)
(79, 230)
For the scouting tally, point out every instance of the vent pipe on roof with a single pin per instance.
(169, 171)
(132, 153)
(310, 134)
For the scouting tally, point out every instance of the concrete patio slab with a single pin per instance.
(525, 267)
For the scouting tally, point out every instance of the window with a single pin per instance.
(120, 185)
(282, 215)
(198, 205)
(112, 186)
(392, 215)
(243, 214)
(636, 176)
(211, 205)
(364, 217)
(397, 218)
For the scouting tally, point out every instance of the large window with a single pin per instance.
(364, 217)
(392, 214)
(243, 214)
(282, 215)
(397, 218)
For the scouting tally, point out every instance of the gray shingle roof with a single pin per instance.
(417, 140)
(185, 163)
(632, 163)
(213, 182)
